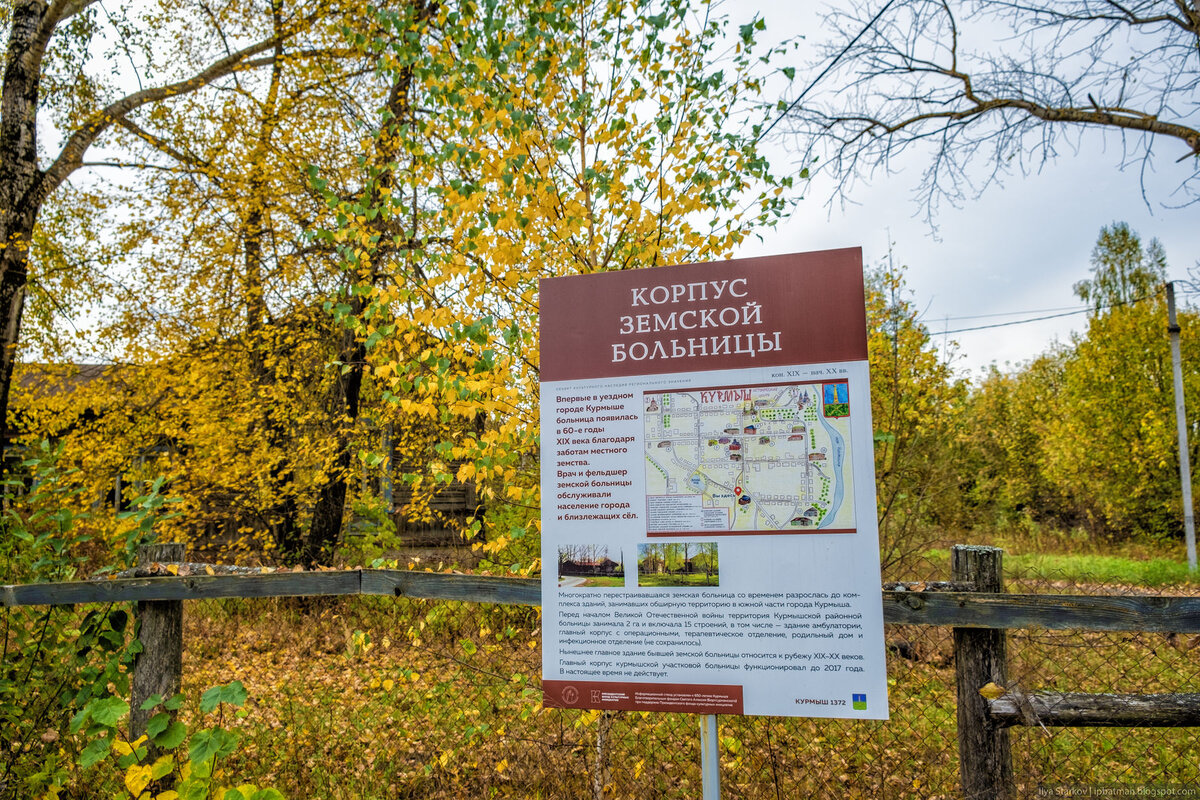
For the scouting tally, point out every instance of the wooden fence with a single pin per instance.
(973, 604)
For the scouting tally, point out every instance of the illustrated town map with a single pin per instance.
(754, 459)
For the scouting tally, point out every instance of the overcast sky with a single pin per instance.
(1018, 248)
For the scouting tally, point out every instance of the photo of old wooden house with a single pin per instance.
(590, 565)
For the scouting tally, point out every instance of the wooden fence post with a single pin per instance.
(158, 669)
(980, 658)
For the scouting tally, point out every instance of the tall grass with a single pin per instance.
(1090, 568)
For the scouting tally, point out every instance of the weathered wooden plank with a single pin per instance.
(158, 669)
(952, 609)
(1079, 710)
(191, 587)
(1154, 614)
(985, 763)
(477, 588)
(440, 586)
(158, 569)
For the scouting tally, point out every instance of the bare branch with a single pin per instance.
(132, 165)
(70, 158)
(62, 10)
(161, 144)
(1048, 70)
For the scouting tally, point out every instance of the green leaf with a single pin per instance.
(151, 702)
(157, 724)
(195, 788)
(162, 767)
(233, 693)
(210, 699)
(207, 744)
(172, 737)
(79, 719)
(202, 770)
(790, 72)
(109, 710)
(204, 746)
(111, 641)
(95, 752)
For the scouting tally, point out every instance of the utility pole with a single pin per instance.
(1185, 469)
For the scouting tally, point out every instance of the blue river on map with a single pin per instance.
(839, 455)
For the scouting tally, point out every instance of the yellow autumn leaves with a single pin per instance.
(588, 148)
(520, 142)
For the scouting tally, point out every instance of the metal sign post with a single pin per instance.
(1185, 472)
(710, 764)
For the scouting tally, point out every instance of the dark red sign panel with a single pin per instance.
(686, 698)
(754, 312)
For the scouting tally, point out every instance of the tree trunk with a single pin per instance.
(330, 506)
(19, 200)
(13, 277)
(282, 512)
(328, 511)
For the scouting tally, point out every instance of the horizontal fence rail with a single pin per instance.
(1081, 710)
(1004, 611)
(1001, 611)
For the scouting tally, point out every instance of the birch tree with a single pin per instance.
(60, 61)
(550, 139)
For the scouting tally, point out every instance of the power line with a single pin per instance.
(1015, 322)
(1016, 313)
(1049, 316)
(825, 71)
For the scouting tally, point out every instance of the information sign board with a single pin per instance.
(709, 537)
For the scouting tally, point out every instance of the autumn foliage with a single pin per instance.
(321, 285)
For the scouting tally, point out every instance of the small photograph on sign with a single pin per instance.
(590, 566)
(678, 564)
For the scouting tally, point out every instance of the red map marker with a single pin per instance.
(738, 491)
